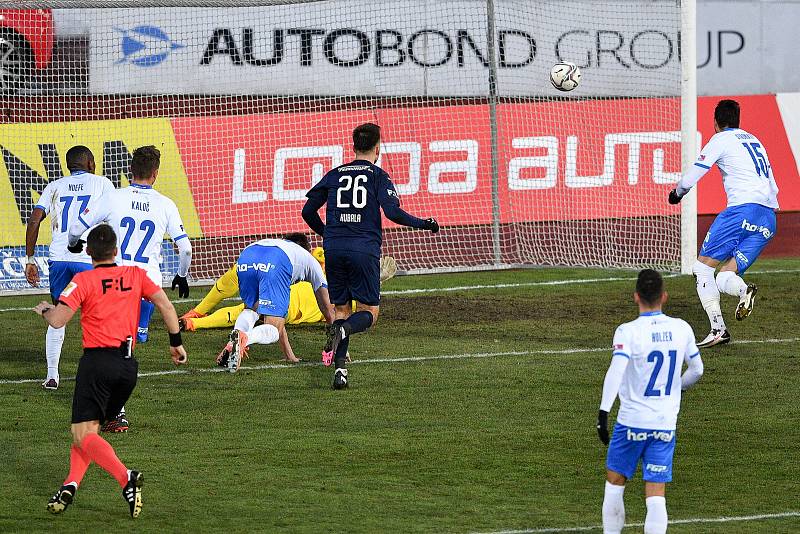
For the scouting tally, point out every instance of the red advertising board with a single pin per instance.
(558, 160)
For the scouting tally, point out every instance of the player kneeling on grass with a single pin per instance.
(265, 271)
(109, 297)
(645, 372)
(303, 307)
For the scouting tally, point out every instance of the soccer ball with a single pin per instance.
(565, 76)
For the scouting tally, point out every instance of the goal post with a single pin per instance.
(252, 102)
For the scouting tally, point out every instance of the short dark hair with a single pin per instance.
(101, 242)
(300, 239)
(727, 114)
(78, 158)
(145, 161)
(366, 137)
(649, 286)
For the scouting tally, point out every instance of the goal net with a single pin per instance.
(251, 105)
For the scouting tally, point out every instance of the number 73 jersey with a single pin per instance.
(140, 216)
(657, 346)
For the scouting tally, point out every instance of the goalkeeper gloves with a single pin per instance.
(602, 426)
(182, 284)
(432, 225)
(674, 197)
(77, 248)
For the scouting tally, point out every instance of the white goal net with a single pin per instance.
(250, 106)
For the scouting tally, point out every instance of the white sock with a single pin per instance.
(613, 509)
(731, 283)
(53, 342)
(656, 520)
(262, 334)
(245, 321)
(709, 294)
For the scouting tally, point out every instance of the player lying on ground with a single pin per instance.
(355, 193)
(63, 200)
(738, 234)
(645, 372)
(303, 306)
(265, 270)
(109, 297)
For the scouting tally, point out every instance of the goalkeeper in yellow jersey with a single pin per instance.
(302, 302)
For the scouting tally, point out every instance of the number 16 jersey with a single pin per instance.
(657, 346)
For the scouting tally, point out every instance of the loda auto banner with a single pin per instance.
(248, 175)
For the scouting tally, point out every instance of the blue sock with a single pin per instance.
(340, 358)
(358, 322)
(145, 313)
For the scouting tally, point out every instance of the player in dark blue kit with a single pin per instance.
(352, 239)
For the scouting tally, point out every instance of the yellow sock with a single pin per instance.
(225, 287)
(222, 318)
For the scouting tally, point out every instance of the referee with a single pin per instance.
(109, 297)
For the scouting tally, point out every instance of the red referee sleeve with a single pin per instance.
(74, 293)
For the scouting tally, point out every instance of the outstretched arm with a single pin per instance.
(324, 303)
(286, 347)
(390, 203)
(613, 380)
(167, 311)
(89, 218)
(56, 316)
(31, 236)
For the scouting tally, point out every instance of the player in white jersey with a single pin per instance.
(63, 200)
(740, 233)
(266, 269)
(645, 372)
(141, 216)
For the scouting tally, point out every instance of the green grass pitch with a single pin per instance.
(471, 444)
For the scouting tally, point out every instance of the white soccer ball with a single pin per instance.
(565, 76)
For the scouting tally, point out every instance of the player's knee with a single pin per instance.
(702, 271)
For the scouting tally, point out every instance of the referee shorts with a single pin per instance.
(103, 384)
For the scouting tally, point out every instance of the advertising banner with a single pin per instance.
(393, 48)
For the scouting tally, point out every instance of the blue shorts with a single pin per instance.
(353, 276)
(740, 232)
(265, 274)
(653, 447)
(61, 272)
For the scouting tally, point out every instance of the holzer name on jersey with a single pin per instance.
(659, 337)
(350, 217)
(140, 206)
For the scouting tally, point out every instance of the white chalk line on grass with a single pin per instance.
(483, 286)
(465, 356)
(692, 521)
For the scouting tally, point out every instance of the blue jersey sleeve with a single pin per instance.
(390, 203)
(317, 197)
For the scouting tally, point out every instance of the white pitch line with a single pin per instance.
(484, 286)
(692, 521)
(465, 356)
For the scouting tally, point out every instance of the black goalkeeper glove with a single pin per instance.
(602, 426)
(77, 248)
(674, 197)
(182, 284)
(432, 225)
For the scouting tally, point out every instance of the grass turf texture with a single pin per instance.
(461, 445)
